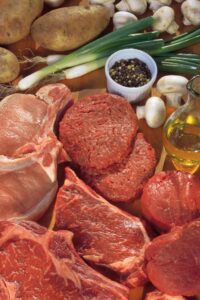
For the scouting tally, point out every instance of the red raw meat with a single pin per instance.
(98, 130)
(104, 235)
(28, 166)
(171, 198)
(173, 261)
(37, 263)
(124, 181)
(157, 295)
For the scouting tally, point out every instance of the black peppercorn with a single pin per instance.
(130, 72)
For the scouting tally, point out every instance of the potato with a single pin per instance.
(9, 66)
(69, 27)
(16, 18)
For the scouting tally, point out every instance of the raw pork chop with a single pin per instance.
(125, 180)
(40, 264)
(98, 130)
(157, 295)
(173, 261)
(171, 198)
(23, 117)
(29, 176)
(104, 235)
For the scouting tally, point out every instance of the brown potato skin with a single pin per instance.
(16, 18)
(9, 66)
(68, 28)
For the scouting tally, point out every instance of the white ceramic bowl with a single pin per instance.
(132, 94)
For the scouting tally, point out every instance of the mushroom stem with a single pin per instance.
(140, 112)
(174, 100)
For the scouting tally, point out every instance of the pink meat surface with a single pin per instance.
(171, 198)
(23, 116)
(124, 181)
(173, 261)
(157, 295)
(104, 235)
(28, 168)
(40, 264)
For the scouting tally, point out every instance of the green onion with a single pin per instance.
(83, 69)
(179, 60)
(179, 44)
(178, 68)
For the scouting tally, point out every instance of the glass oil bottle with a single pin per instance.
(181, 132)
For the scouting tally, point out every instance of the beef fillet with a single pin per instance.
(173, 261)
(171, 198)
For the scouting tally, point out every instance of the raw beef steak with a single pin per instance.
(125, 180)
(157, 295)
(104, 235)
(171, 198)
(173, 261)
(40, 264)
(98, 130)
(28, 168)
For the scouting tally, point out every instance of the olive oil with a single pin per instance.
(181, 132)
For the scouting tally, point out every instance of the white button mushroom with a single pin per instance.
(109, 4)
(191, 12)
(156, 4)
(173, 87)
(164, 20)
(54, 3)
(154, 112)
(137, 7)
(121, 18)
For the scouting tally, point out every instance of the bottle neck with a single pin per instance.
(194, 91)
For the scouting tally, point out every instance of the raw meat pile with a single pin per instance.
(29, 151)
(104, 235)
(98, 251)
(100, 135)
(37, 263)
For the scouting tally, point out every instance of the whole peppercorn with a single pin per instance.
(130, 72)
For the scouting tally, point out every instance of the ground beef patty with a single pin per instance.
(124, 181)
(98, 130)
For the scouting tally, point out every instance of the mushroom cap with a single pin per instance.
(138, 7)
(156, 4)
(155, 112)
(191, 12)
(164, 16)
(172, 84)
(121, 18)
